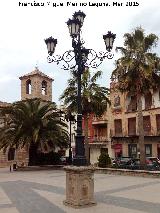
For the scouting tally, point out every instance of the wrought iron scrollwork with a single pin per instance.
(67, 58)
(93, 59)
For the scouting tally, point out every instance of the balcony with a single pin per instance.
(99, 140)
(117, 109)
(99, 120)
(131, 107)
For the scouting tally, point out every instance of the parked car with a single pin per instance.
(133, 163)
(152, 159)
(152, 164)
(121, 162)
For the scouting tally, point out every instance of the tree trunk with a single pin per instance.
(141, 131)
(86, 139)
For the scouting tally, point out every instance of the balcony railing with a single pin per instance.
(132, 107)
(100, 139)
(99, 120)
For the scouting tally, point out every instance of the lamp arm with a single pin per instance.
(95, 59)
(67, 57)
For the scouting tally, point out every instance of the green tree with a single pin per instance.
(33, 122)
(94, 99)
(104, 160)
(137, 72)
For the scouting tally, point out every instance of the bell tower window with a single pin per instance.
(44, 88)
(28, 86)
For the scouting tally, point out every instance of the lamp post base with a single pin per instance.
(79, 161)
(79, 186)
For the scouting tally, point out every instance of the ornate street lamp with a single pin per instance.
(109, 40)
(82, 58)
(80, 16)
(78, 59)
(51, 45)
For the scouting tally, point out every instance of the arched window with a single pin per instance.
(44, 88)
(28, 86)
(11, 154)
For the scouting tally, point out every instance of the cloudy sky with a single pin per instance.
(24, 28)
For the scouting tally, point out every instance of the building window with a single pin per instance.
(132, 150)
(147, 125)
(158, 123)
(11, 154)
(148, 150)
(148, 100)
(131, 126)
(28, 86)
(116, 101)
(104, 150)
(118, 127)
(44, 88)
(132, 106)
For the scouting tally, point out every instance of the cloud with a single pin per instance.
(6, 78)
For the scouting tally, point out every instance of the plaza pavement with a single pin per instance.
(44, 192)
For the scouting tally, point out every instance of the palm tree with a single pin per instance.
(94, 99)
(137, 72)
(33, 123)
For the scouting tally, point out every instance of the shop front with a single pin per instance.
(117, 150)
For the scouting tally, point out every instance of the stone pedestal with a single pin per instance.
(79, 186)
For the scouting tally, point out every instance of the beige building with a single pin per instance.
(33, 85)
(124, 123)
(116, 132)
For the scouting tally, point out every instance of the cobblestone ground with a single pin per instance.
(44, 192)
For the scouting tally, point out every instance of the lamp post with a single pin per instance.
(79, 58)
(83, 58)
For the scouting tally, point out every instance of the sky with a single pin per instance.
(24, 28)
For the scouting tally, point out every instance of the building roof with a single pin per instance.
(36, 72)
(4, 104)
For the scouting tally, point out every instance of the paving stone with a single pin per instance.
(44, 192)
